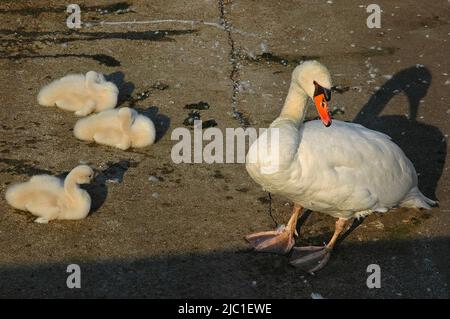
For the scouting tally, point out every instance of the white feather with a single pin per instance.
(82, 94)
(121, 128)
(48, 198)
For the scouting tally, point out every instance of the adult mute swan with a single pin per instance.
(48, 198)
(122, 128)
(82, 94)
(341, 169)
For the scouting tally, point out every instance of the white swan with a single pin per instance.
(121, 128)
(48, 198)
(82, 94)
(341, 169)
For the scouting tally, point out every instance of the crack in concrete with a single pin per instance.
(89, 24)
(234, 61)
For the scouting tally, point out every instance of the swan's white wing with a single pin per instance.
(105, 121)
(46, 181)
(61, 89)
(342, 169)
(349, 167)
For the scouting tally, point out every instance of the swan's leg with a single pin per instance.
(36, 209)
(278, 241)
(88, 108)
(314, 258)
(125, 143)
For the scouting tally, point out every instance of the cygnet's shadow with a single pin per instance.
(161, 121)
(98, 189)
(422, 143)
(125, 88)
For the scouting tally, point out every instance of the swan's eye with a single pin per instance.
(318, 90)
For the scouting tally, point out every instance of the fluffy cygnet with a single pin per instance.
(82, 94)
(121, 128)
(49, 198)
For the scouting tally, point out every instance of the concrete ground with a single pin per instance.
(183, 235)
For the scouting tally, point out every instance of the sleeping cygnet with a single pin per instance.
(82, 94)
(49, 198)
(122, 128)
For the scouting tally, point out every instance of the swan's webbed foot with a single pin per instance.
(124, 145)
(278, 241)
(86, 109)
(314, 258)
(310, 258)
(41, 220)
(83, 112)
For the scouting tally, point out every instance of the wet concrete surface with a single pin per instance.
(188, 240)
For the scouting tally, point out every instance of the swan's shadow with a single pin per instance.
(125, 88)
(161, 121)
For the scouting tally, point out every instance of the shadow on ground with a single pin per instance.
(98, 190)
(405, 272)
(161, 121)
(125, 88)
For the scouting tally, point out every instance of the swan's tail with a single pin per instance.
(415, 199)
(46, 96)
(14, 196)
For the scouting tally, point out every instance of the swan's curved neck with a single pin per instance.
(125, 124)
(90, 81)
(71, 187)
(294, 107)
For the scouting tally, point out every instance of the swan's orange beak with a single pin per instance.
(321, 98)
(322, 109)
